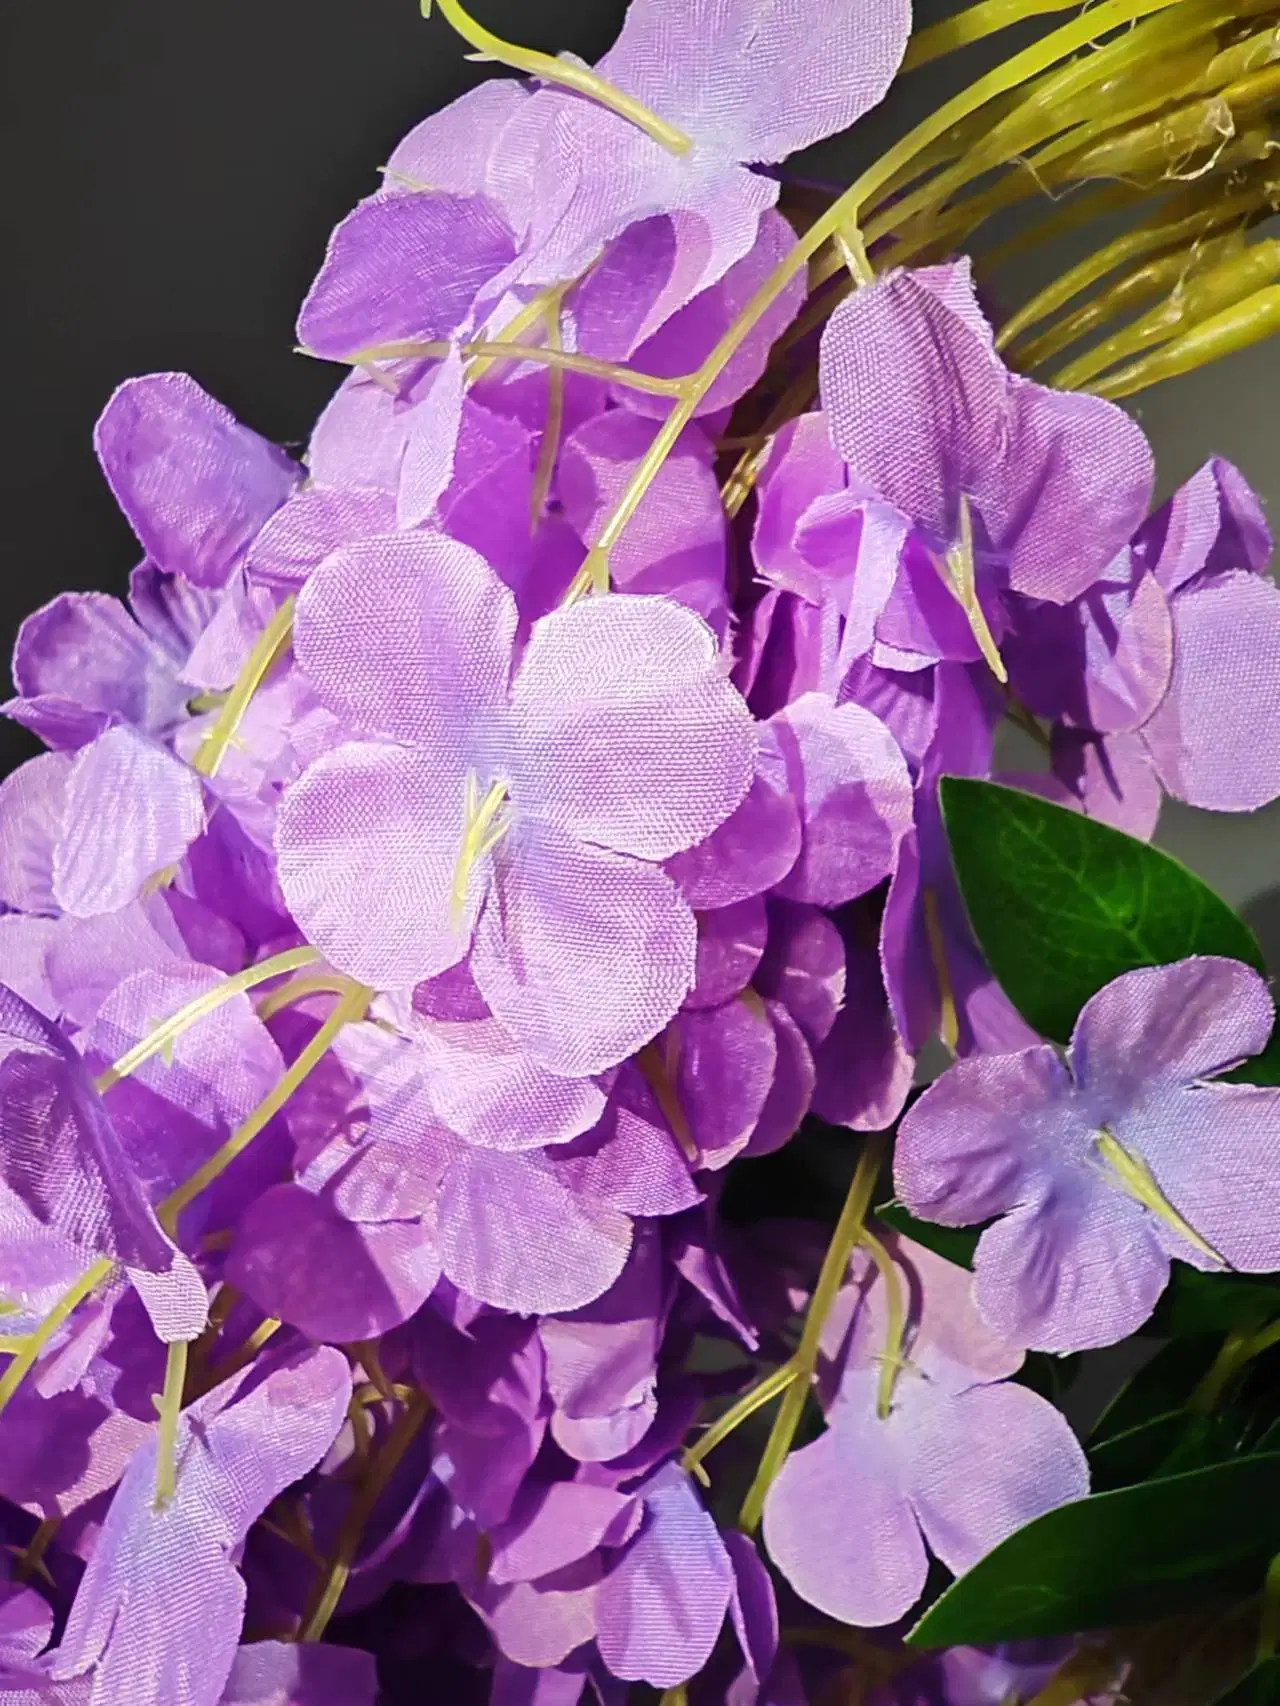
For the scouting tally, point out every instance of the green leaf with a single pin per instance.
(1123, 1557)
(1263, 1068)
(1261, 1687)
(1160, 1385)
(1196, 1302)
(1123, 1459)
(1062, 904)
(955, 1243)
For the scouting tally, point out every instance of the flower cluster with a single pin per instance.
(470, 840)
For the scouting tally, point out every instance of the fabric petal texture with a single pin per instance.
(193, 483)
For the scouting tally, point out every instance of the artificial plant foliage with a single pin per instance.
(1061, 903)
(1120, 1557)
(498, 863)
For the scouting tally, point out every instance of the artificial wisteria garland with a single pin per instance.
(474, 843)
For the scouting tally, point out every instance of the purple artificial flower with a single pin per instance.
(193, 483)
(1101, 1168)
(85, 662)
(908, 1454)
(516, 808)
(63, 1161)
(745, 83)
(928, 419)
(285, 1673)
(1164, 676)
(52, 811)
(161, 1596)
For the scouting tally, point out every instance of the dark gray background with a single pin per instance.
(169, 175)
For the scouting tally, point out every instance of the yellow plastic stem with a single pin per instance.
(548, 69)
(1204, 292)
(1109, 15)
(483, 827)
(1055, 106)
(62, 1311)
(1236, 328)
(167, 1032)
(976, 22)
(545, 355)
(896, 1325)
(1149, 239)
(241, 1357)
(525, 319)
(32, 1563)
(1138, 1181)
(948, 1013)
(960, 576)
(740, 1411)
(552, 426)
(170, 1408)
(831, 1277)
(273, 642)
(330, 1587)
(1132, 290)
(300, 989)
(352, 1006)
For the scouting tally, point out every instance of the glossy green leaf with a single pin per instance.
(1260, 1688)
(1196, 1302)
(1122, 1557)
(1062, 904)
(1164, 1383)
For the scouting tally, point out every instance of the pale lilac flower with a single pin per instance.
(1101, 1168)
(161, 1596)
(516, 811)
(960, 1460)
(659, 1611)
(746, 83)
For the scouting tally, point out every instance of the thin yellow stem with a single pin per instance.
(973, 24)
(169, 1406)
(241, 1357)
(32, 1563)
(552, 427)
(563, 71)
(274, 640)
(1235, 328)
(330, 1586)
(169, 1030)
(1057, 45)
(545, 355)
(896, 1311)
(301, 989)
(62, 1310)
(740, 1411)
(948, 1012)
(352, 1006)
(831, 1277)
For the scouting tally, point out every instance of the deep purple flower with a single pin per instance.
(63, 1160)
